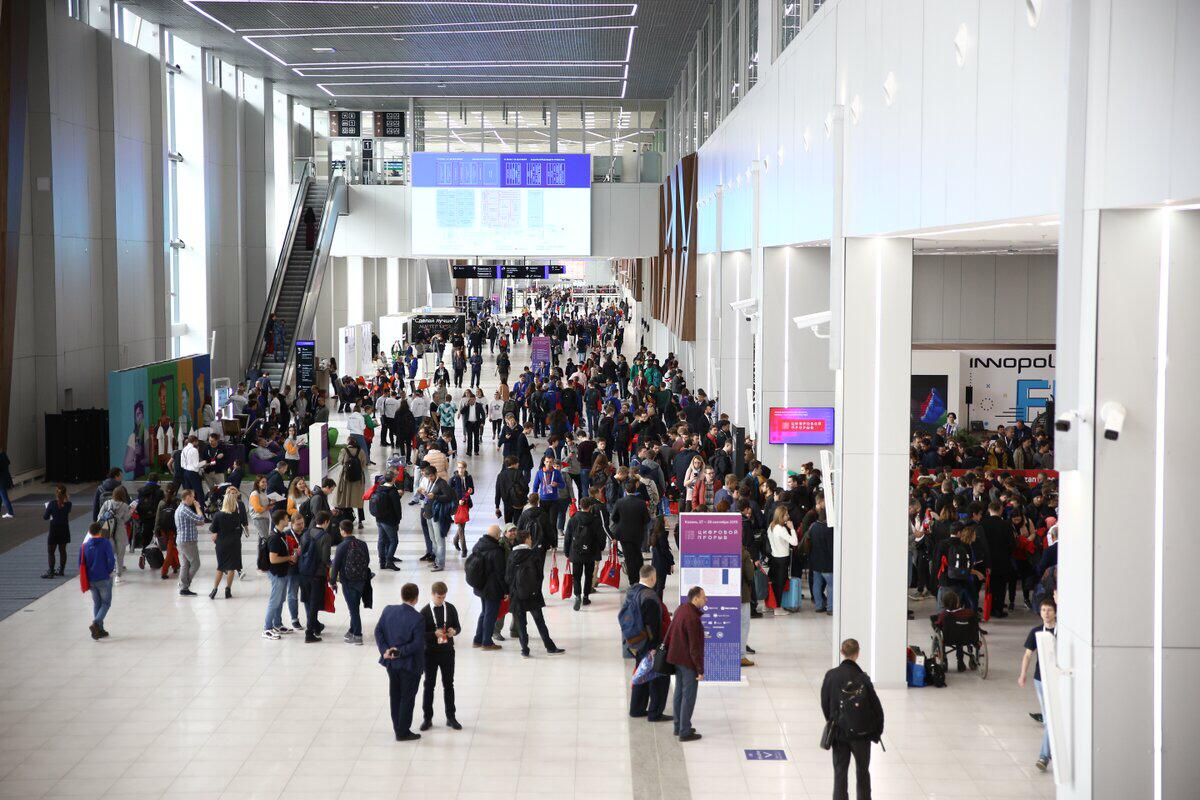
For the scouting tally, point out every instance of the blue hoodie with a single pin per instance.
(99, 559)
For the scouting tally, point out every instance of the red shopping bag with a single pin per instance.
(328, 608)
(462, 515)
(503, 608)
(554, 575)
(772, 602)
(572, 509)
(610, 575)
(987, 596)
(84, 586)
(568, 583)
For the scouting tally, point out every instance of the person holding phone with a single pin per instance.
(441, 626)
(400, 636)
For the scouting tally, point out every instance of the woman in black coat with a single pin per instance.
(406, 428)
(661, 557)
(227, 527)
(58, 511)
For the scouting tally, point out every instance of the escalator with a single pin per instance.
(299, 274)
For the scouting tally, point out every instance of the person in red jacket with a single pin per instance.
(685, 649)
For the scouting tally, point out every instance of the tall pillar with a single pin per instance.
(872, 451)
(795, 362)
(1127, 518)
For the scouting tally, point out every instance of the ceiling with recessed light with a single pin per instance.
(378, 52)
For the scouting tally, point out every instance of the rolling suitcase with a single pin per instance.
(791, 597)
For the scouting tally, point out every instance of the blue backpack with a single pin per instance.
(634, 632)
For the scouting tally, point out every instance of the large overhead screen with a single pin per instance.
(496, 204)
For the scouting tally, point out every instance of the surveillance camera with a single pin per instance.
(748, 317)
(1062, 424)
(1113, 416)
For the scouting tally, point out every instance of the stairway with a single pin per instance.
(295, 281)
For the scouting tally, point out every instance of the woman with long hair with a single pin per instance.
(464, 486)
(116, 514)
(781, 538)
(260, 508)
(58, 511)
(227, 536)
(297, 494)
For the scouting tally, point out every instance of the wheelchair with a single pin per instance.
(962, 633)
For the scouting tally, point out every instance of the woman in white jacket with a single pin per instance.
(781, 538)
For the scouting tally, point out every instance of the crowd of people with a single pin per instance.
(628, 445)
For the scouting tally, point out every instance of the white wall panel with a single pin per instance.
(985, 299)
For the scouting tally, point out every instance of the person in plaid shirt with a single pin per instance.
(187, 515)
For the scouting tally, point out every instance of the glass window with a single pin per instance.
(571, 126)
(752, 42)
(499, 127)
(132, 29)
(791, 18)
(733, 60)
(533, 119)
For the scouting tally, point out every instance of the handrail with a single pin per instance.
(285, 254)
(336, 204)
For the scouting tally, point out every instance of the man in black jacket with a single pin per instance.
(848, 699)
(998, 534)
(538, 520)
(514, 444)
(630, 520)
(584, 544)
(441, 626)
(649, 699)
(511, 490)
(524, 579)
(493, 588)
(388, 509)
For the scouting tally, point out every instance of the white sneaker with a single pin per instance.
(118, 579)
(7, 516)
(270, 634)
(284, 631)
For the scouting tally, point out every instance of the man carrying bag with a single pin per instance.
(853, 719)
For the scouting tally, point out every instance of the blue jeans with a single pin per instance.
(820, 580)
(685, 699)
(362, 442)
(487, 621)
(274, 618)
(438, 535)
(352, 592)
(428, 539)
(101, 599)
(8, 509)
(1045, 751)
(389, 538)
(292, 592)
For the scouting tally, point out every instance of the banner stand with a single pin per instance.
(318, 453)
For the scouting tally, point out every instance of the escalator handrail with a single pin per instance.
(285, 255)
(336, 204)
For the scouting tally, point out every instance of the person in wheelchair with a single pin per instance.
(959, 628)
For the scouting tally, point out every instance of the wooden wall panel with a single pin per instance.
(674, 271)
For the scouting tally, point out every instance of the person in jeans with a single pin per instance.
(187, 516)
(524, 579)
(352, 566)
(493, 589)
(313, 576)
(98, 560)
(685, 649)
(280, 559)
(292, 537)
(846, 680)
(389, 510)
(440, 501)
(820, 563)
(1049, 612)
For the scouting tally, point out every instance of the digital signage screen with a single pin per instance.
(501, 204)
(801, 425)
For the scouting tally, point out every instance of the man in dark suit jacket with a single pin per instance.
(400, 636)
(847, 680)
(630, 519)
(441, 626)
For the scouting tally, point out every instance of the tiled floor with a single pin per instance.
(186, 701)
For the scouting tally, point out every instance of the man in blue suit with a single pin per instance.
(400, 635)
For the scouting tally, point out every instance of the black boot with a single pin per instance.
(228, 593)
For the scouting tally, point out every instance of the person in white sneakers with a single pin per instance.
(781, 538)
(280, 560)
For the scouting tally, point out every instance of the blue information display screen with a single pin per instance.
(492, 204)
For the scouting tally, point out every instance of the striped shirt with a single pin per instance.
(185, 524)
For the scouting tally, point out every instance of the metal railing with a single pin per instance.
(306, 177)
(336, 204)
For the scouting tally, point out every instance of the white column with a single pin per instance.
(872, 450)
(795, 362)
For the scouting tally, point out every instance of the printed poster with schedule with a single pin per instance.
(710, 556)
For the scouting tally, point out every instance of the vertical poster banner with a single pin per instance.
(201, 385)
(185, 416)
(161, 399)
(306, 364)
(928, 402)
(127, 424)
(710, 556)
(539, 357)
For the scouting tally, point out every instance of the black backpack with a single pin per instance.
(264, 555)
(475, 570)
(357, 565)
(856, 718)
(353, 470)
(527, 580)
(309, 555)
(958, 561)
